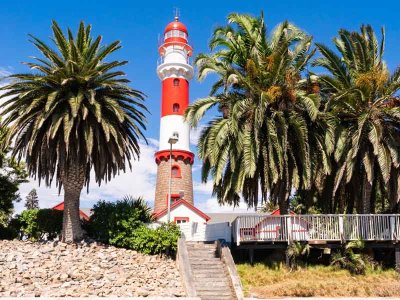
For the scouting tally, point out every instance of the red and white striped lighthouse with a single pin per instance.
(175, 73)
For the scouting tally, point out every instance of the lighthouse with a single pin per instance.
(174, 159)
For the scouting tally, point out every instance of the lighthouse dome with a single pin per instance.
(176, 25)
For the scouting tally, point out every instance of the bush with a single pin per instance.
(11, 230)
(348, 258)
(122, 224)
(296, 253)
(38, 223)
(162, 240)
(7, 233)
(114, 223)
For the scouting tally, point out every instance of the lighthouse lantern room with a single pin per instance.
(175, 72)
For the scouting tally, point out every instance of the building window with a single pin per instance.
(175, 108)
(180, 220)
(175, 172)
(174, 198)
(176, 82)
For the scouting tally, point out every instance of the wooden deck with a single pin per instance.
(316, 228)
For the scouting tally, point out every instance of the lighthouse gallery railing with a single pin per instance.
(288, 228)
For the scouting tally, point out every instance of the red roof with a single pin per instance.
(277, 212)
(60, 206)
(176, 25)
(187, 204)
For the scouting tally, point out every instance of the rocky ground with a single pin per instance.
(58, 270)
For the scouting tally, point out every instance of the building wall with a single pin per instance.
(201, 232)
(177, 184)
(183, 211)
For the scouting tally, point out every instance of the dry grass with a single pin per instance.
(264, 281)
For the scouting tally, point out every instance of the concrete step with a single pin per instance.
(211, 260)
(201, 249)
(203, 256)
(201, 269)
(222, 292)
(212, 264)
(191, 247)
(219, 298)
(211, 269)
(210, 276)
(216, 294)
(203, 253)
(208, 284)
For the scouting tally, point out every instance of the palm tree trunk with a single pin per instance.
(73, 180)
(342, 198)
(283, 199)
(394, 191)
(366, 195)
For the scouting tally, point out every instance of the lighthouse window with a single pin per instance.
(175, 33)
(175, 172)
(175, 108)
(176, 82)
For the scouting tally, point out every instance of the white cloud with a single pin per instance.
(5, 71)
(211, 206)
(195, 134)
(204, 188)
(196, 167)
(138, 182)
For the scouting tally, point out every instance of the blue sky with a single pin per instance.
(138, 24)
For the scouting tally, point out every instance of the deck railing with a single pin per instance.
(288, 228)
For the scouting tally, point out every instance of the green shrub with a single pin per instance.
(122, 224)
(162, 240)
(7, 233)
(296, 253)
(36, 223)
(11, 230)
(114, 222)
(351, 258)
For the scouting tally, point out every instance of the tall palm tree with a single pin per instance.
(362, 94)
(74, 114)
(260, 146)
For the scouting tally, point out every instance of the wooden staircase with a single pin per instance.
(210, 276)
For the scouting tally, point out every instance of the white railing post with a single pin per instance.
(289, 228)
(341, 229)
(392, 228)
(238, 231)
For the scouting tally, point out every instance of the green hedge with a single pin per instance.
(123, 224)
(162, 240)
(36, 223)
(114, 222)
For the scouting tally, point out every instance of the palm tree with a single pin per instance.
(74, 114)
(296, 252)
(362, 94)
(260, 145)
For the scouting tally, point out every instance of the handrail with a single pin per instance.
(185, 269)
(225, 255)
